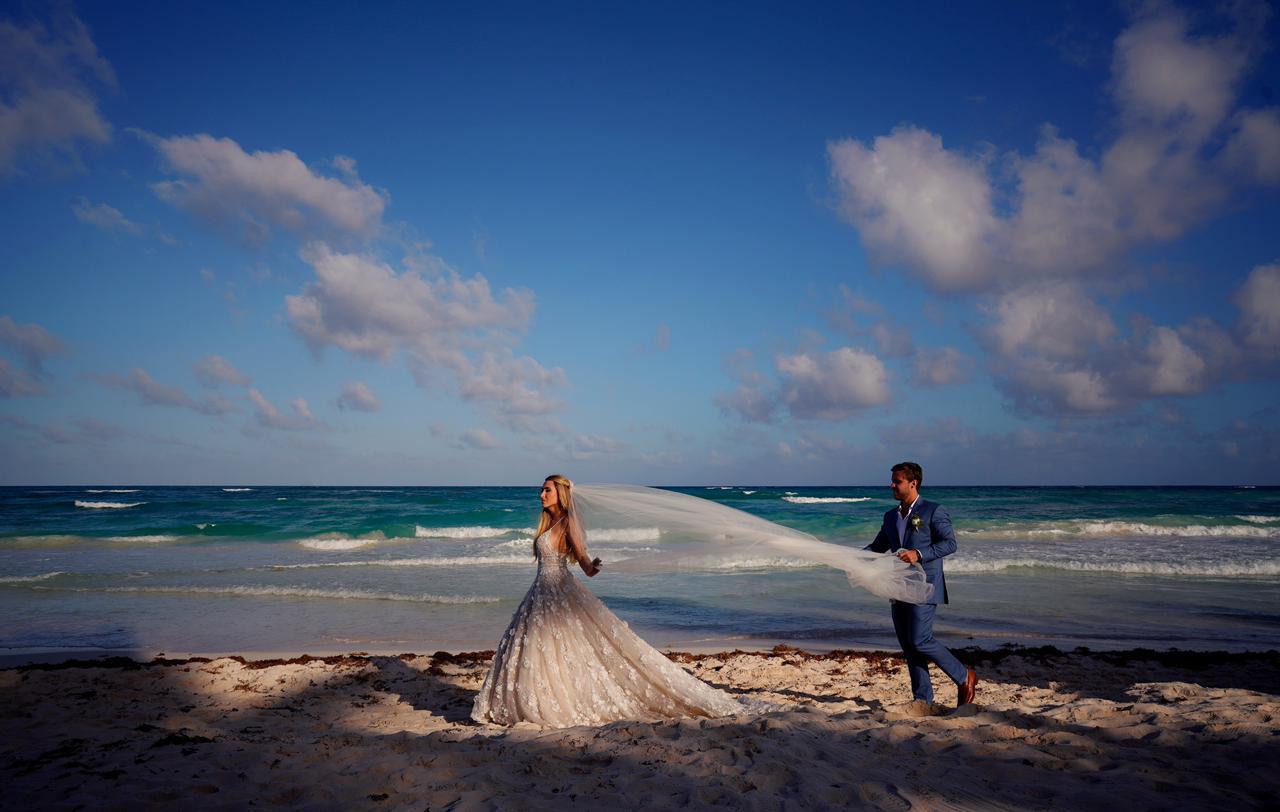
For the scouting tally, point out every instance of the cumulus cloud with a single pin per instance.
(1259, 303)
(590, 446)
(253, 193)
(358, 397)
(810, 385)
(155, 393)
(941, 213)
(916, 203)
(104, 217)
(271, 417)
(478, 440)
(48, 104)
(1056, 321)
(439, 321)
(834, 385)
(16, 383)
(214, 371)
(944, 366)
(1056, 352)
(33, 342)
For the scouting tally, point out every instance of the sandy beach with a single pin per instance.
(1138, 729)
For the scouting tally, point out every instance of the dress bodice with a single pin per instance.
(550, 560)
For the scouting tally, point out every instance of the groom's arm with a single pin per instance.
(942, 537)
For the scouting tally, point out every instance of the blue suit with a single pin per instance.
(933, 539)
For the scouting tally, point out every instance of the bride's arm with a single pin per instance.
(578, 549)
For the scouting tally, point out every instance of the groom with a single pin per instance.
(919, 532)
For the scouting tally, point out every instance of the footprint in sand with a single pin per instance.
(882, 796)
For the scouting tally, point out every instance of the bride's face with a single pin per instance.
(550, 499)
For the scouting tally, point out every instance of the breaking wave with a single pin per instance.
(468, 532)
(25, 579)
(106, 505)
(824, 500)
(1202, 569)
(284, 592)
(1114, 529)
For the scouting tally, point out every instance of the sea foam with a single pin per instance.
(284, 592)
(468, 532)
(1200, 569)
(1114, 529)
(112, 490)
(156, 539)
(824, 500)
(443, 561)
(337, 544)
(25, 579)
(107, 505)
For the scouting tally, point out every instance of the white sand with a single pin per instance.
(1064, 731)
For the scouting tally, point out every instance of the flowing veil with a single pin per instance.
(697, 533)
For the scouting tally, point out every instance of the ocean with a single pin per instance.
(238, 569)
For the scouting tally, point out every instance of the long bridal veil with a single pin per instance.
(695, 533)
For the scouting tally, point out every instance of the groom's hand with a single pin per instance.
(909, 556)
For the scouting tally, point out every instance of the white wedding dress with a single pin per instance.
(567, 660)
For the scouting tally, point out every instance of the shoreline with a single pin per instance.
(83, 657)
(1050, 728)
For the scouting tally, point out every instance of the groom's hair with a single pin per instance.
(911, 471)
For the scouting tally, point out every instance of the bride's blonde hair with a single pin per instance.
(570, 532)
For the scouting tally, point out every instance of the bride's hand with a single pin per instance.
(593, 568)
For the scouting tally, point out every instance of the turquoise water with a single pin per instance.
(235, 568)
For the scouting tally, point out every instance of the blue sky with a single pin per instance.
(392, 243)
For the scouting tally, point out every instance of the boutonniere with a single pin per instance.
(915, 521)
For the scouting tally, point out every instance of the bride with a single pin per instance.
(567, 660)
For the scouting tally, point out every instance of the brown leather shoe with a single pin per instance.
(965, 692)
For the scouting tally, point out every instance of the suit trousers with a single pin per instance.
(914, 625)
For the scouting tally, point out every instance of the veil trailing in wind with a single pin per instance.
(693, 533)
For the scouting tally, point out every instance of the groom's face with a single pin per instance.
(904, 490)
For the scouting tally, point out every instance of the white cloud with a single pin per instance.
(933, 210)
(1254, 148)
(1056, 321)
(260, 191)
(590, 446)
(104, 217)
(33, 342)
(271, 417)
(15, 383)
(357, 396)
(809, 385)
(153, 392)
(945, 366)
(1055, 352)
(478, 439)
(748, 401)
(1259, 303)
(47, 102)
(1170, 367)
(914, 202)
(440, 321)
(214, 370)
(832, 386)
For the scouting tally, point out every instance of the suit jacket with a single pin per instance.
(934, 540)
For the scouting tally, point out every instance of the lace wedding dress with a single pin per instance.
(567, 660)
